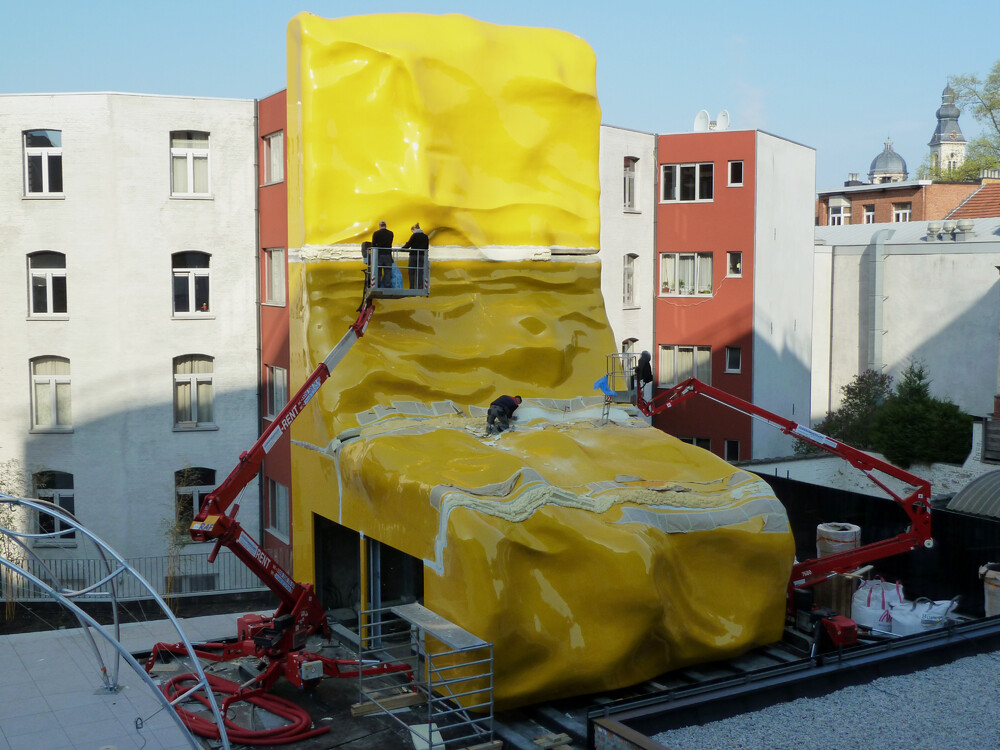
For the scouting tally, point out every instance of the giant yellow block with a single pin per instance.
(487, 134)
(592, 554)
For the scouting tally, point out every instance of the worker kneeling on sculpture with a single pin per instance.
(500, 413)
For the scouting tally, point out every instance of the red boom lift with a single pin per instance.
(839, 630)
(278, 641)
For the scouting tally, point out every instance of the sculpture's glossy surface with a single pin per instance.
(593, 555)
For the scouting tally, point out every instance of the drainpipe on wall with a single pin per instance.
(876, 301)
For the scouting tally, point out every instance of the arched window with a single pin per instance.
(50, 394)
(193, 392)
(57, 488)
(191, 283)
(46, 284)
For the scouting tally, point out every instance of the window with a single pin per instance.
(732, 450)
(678, 363)
(736, 174)
(274, 276)
(628, 201)
(193, 392)
(733, 357)
(191, 283)
(47, 284)
(189, 174)
(277, 389)
(687, 182)
(50, 394)
(869, 213)
(277, 509)
(43, 174)
(839, 215)
(901, 212)
(57, 488)
(191, 485)
(628, 280)
(274, 157)
(700, 442)
(734, 263)
(686, 273)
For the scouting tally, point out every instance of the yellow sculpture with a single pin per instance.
(592, 554)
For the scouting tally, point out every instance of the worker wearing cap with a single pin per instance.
(417, 245)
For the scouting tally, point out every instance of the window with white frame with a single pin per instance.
(733, 358)
(193, 395)
(628, 279)
(901, 211)
(274, 276)
(686, 274)
(191, 275)
(189, 168)
(274, 157)
(50, 394)
(736, 174)
(628, 193)
(679, 362)
(687, 182)
(46, 284)
(869, 213)
(191, 485)
(278, 521)
(732, 450)
(43, 169)
(700, 442)
(839, 216)
(277, 389)
(57, 488)
(734, 263)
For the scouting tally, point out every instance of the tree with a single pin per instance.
(913, 426)
(852, 422)
(981, 99)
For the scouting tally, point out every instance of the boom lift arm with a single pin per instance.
(916, 504)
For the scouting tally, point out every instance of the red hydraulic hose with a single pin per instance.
(296, 730)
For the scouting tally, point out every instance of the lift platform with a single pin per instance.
(395, 272)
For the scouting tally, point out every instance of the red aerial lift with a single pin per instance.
(916, 504)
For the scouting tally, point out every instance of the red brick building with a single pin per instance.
(889, 202)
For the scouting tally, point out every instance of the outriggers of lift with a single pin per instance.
(279, 641)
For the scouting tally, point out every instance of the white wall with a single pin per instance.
(118, 227)
(939, 305)
(783, 286)
(624, 232)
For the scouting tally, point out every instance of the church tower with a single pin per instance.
(947, 144)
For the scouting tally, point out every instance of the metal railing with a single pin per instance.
(181, 574)
(452, 688)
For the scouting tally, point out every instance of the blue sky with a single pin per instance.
(838, 77)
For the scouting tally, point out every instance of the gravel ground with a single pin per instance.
(950, 707)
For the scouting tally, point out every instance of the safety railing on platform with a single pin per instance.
(397, 273)
(182, 574)
(452, 689)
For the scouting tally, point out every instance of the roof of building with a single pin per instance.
(981, 496)
(983, 203)
(947, 129)
(908, 233)
(870, 187)
(888, 162)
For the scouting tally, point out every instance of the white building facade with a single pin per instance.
(628, 276)
(889, 295)
(128, 381)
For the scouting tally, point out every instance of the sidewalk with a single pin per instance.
(52, 696)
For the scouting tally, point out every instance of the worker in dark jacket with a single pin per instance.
(643, 375)
(382, 242)
(417, 245)
(501, 411)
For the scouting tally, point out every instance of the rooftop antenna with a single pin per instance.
(722, 123)
(701, 121)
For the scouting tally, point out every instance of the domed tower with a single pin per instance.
(887, 166)
(947, 144)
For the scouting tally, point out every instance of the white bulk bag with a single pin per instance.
(920, 616)
(871, 602)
